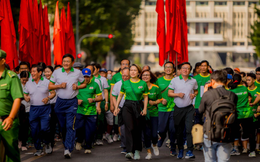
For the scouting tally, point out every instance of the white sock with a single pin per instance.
(257, 146)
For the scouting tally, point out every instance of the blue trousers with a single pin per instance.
(166, 123)
(66, 110)
(39, 119)
(151, 132)
(85, 124)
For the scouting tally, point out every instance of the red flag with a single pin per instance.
(24, 28)
(47, 37)
(35, 35)
(161, 31)
(70, 39)
(185, 52)
(168, 43)
(41, 51)
(58, 53)
(63, 29)
(8, 35)
(1, 11)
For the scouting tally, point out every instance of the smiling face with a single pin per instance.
(67, 63)
(185, 70)
(250, 81)
(168, 69)
(146, 76)
(47, 73)
(125, 74)
(134, 72)
(35, 74)
(23, 80)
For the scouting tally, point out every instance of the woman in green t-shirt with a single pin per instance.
(151, 127)
(244, 116)
(133, 111)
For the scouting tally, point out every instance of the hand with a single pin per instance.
(258, 109)
(7, 123)
(151, 102)
(90, 100)
(206, 88)
(80, 102)
(98, 110)
(45, 100)
(74, 87)
(63, 85)
(256, 115)
(251, 104)
(143, 113)
(112, 108)
(164, 102)
(181, 95)
(192, 96)
(117, 110)
(27, 99)
(106, 106)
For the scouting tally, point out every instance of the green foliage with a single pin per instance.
(255, 35)
(104, 17)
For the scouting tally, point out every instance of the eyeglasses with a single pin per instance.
(168, 67)
(146, 75)
(185, 68)
(66, 61)
(125, 64)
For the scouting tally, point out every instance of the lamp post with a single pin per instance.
(77, 24)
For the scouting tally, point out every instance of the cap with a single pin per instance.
(237, 69)
(77, 65)
(2, 54)
(103, 70)
(229, 76)
(86, 72)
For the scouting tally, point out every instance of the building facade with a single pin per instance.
(218, 31)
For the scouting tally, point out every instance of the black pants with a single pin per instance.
(248, 128)
(53, 125)
(133, 126)
(24, 125)
(183, 117)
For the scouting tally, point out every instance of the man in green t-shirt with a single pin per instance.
(202, 78)
(87, 113)
(257, 73)
(10, 101)
(166, 108)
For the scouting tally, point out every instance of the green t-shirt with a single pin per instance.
(254, 93)
(117, 77)
(154, 94)
(10, 89)
(90, 91)
(244, 110)
(163, 83)
(109, 89)
(140, 89)
(257, 83)
(201, 81)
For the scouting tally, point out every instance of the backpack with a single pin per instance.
(222, 119)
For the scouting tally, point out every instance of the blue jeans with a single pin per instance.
(215, 151)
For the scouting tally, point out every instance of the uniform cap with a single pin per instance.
(86, 72)
(103, 70)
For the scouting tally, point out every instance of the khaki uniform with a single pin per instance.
(10, 89)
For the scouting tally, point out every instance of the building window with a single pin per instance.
(188, 25)
(220, 43)
(242, 43)
(187, 3)
(197, 43)
(238, 3)
(202, 3)
(150, 3)
(147, 43)
(205, 27)
(153, 43)
(220, 3)
(197, 28)
(138, 43)
(250, 43)
(205, 43)
(217, 28)
(253, 3)
(234, 43)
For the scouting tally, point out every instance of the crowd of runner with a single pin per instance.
(87, 105)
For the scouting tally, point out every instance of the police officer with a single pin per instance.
(65, 82)
(36, 91)
(10, 101)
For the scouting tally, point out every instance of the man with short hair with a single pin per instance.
(10, 100)
(215, 151)
(115, 94)
(184, 90)
(65, 82)
(37, 93)
(257, 73)
(166, 109)
(24, 66)
(78, 65)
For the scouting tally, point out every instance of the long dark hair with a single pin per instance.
(235, 82)
(153, 77)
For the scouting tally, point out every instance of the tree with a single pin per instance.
(103, 16)
(255, 35)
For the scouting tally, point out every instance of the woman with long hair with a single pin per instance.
(134, 111)
(244, 116)
(151, 127)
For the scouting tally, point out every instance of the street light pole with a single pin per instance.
(77, 25)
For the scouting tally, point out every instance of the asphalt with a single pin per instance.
(111, 153)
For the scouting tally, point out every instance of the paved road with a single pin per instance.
(111, 153)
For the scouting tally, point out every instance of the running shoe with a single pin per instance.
(124, 151)
(78, 146)
(48, 149)
(173, 153)
(137, 155)
(99, 142)
(109, 139)
(252, 154)
(148, 156)
(235, 152)
(129, 156)
(87, 151)
(180, 155)
(115, 138)
(245, 151)
(189, 155)
(38, 153)
(155, 150)
(67, 154)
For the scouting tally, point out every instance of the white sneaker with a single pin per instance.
(38, 153)
(252, 154)
(129, 155)
(168, 141)
(245, 151)
(78, 146)
(48, 149)
(155, 150)
(149, 156)
(67, 154)
(99, 142)
(115, 138)
(104, 137)
(87, 151)
(108, 138)
(137, 155)
(24, 148)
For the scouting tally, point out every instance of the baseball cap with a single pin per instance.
(2, 54)
(229, 76)
(103, 70)
(86, 72)
(237, 69)
(77, 65)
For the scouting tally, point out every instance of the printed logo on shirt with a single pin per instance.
(52, 76)
(3, 85)
(140, 87)
(91, 87)
(245, 92)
